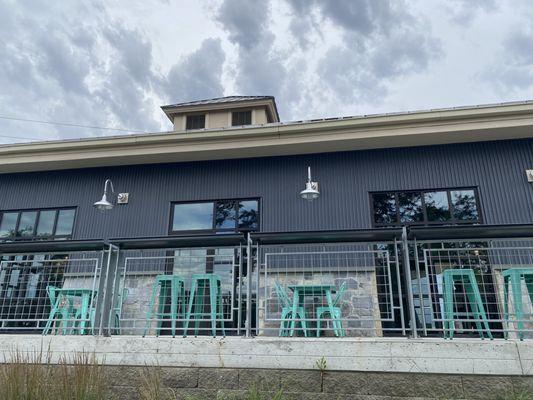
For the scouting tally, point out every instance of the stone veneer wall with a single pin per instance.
(221, 383)
(359, 303)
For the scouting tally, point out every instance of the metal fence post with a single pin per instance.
(105, 293)
(248, 285)
(239, 292)
(408, 280)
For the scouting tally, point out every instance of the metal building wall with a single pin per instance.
(496, 168)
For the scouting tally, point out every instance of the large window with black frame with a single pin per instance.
(24, 301)
(218, 216)
(426, 207)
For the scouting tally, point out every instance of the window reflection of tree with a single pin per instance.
(464, 207)
(385, 208)
(247, 216)
(437, 207)
(411, 207)
(234, 214)
(225, 214)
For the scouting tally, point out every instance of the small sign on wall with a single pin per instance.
(529, 174)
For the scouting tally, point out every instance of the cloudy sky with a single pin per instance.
(113, 63)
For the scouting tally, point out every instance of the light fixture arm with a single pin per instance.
(311, 188)
(108, 182)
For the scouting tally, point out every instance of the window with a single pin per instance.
(195, 121)
(241, 118)
(37, 224)
(215, 216)
(425, 207)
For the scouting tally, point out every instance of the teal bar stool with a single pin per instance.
(286, 312)
(205, 287)
(168, 286)
(117, 310)
(334, 312)
(62, 309)
(514, 277)
(468, 279)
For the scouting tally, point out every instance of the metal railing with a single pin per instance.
(197, 280)
(340, 290)
(483, 291)
(463, 288)
(49, 293)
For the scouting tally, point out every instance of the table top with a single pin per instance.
(312, 289)
(76, 291)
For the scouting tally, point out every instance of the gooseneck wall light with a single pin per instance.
(105, 204)
(311, 188)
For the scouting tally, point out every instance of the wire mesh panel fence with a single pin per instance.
(48, 294)
(481, 291)
(329, 292)
(190, 292)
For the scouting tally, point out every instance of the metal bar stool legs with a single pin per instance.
(167, 286)
(514, 276)
(473, 299)
(208, 288)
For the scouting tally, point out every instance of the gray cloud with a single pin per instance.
(198, 76)
(382, 41)
(463, 12)
(66, 67)
(73, 62)
(245, 21)
(516, 70)
(260, 70)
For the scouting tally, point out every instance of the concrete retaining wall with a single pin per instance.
(436, 356)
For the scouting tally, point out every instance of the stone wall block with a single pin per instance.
(218, 378)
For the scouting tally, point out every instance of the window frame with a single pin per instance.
(242, 111)
(187, 116)
(213, 229)
(34, 236)
(425, 222)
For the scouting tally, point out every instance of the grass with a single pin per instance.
(31, 376)
(152, 385)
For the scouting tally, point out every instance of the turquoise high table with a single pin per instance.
(299, 294)
(83, 314)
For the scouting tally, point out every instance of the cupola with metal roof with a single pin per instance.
(222, 112)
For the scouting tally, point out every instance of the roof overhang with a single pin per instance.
(424, 233)
(167, 242)
(44, 246)
(499, 122)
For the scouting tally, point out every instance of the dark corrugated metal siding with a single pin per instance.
(496, 168)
